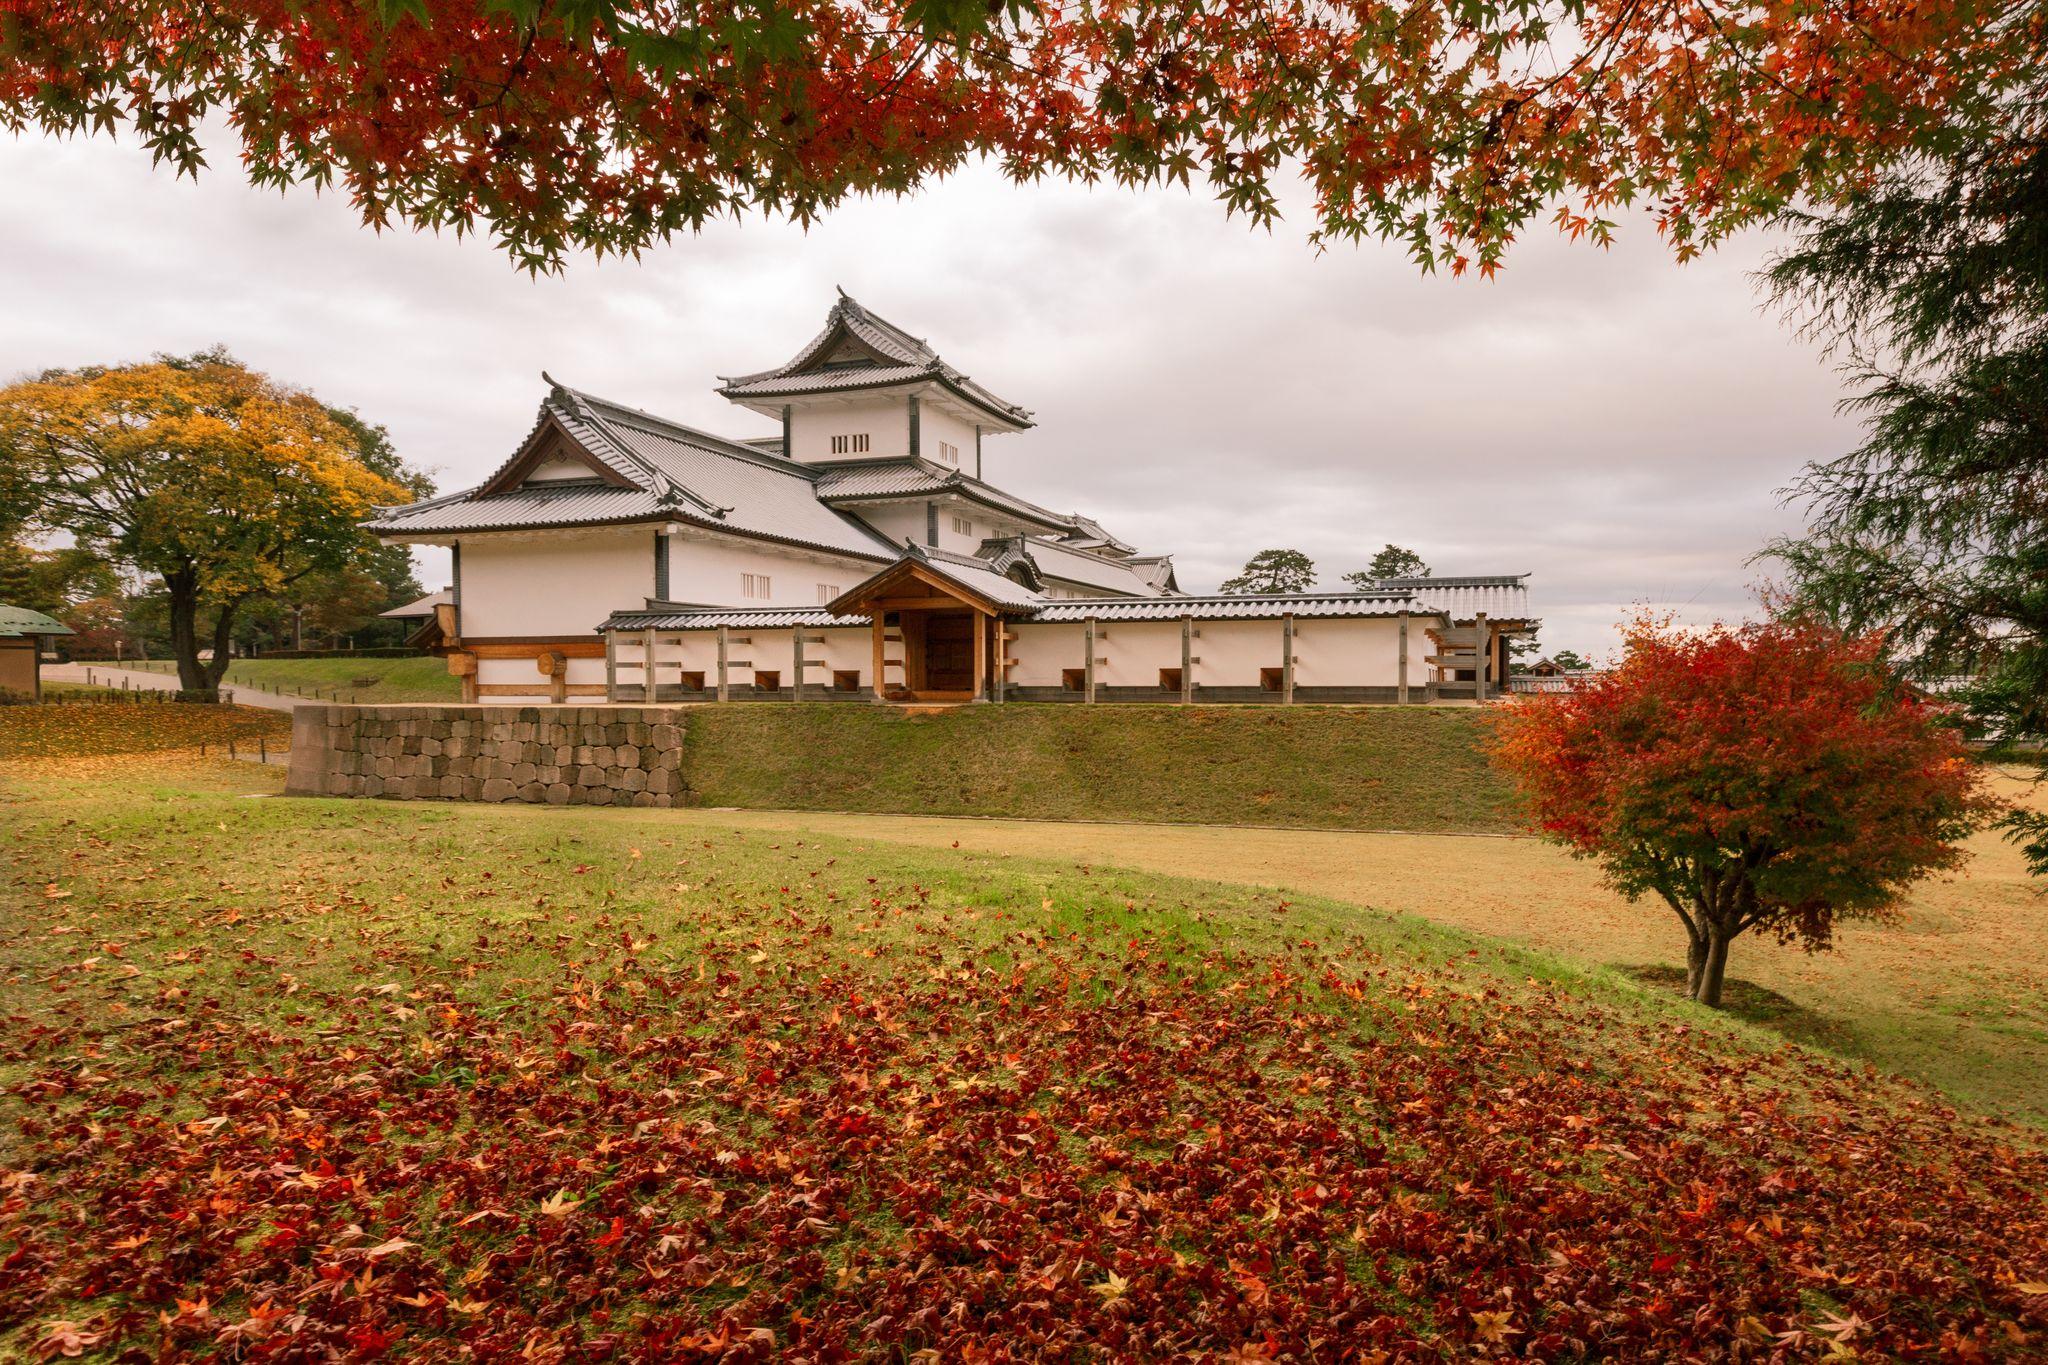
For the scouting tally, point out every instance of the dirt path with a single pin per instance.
(1955, 992)
(106, 675)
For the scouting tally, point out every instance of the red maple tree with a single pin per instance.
(1764, 777)
(612, 124)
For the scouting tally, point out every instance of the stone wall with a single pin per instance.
(545, 755)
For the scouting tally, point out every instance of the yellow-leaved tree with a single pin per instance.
(196, 471)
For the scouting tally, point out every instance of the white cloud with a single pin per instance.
(1613, 422)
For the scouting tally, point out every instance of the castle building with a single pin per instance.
(862, 553)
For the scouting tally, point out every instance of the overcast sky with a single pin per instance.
(1612, 422)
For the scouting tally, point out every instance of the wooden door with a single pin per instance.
(949, 651)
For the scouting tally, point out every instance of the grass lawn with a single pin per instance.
(369, 681)
(459, 1082)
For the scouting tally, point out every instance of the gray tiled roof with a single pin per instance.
(1220, 607)
(679, 473)
(1029, 607)
(903, 359)
(1502, 597)
(857, 481)
(569, 502)
(1071, 564)
(736, 618)
(977, 576)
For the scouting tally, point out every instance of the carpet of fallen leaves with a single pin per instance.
(95, 729)
(305, 1081)
(1042, 1147)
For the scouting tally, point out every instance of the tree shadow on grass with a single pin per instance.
(1754, 1004)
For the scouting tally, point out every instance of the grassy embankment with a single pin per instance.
(1333, 767)
(462, 1079)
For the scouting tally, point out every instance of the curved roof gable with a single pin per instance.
(883, 355)
(645, 469)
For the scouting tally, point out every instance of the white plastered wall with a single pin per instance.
(565, 583)
(710, 570)
(814, 422)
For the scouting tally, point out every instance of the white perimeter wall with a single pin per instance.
(749, 650)
(1328, 652)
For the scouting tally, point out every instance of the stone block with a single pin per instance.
(633, 780)
(558, 793)
(587, 776)
(523, 773)
(498, 789)
(598, 796)
(533, 792)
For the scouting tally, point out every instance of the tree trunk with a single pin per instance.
(223, 645)
(1706, 967)
(184, 604)
(1695, 966)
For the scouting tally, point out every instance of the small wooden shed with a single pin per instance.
(24, 635)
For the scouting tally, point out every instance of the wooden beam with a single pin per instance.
(647, 666)
(724, 638)
(1088, 676)
(1481, 649)
(796, 685)
(611, 665)
(1187, 660)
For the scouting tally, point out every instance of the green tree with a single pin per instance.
(1570, 661)
(53, 581)
(1394, 561)
(218, 483)
(1272, 571)
(1933, 287)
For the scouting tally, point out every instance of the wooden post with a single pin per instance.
(1287, 660)
(723, 693)
(1480, 651)
(880, 631)
(1187, 660)
(611, 665)
(1088, 673)
(1401, 677)
(647, 665)
(980, 655)
(796, 686)
(1002, 657)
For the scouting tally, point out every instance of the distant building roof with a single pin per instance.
(423, 606)
(884, 355)
(17, 622)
